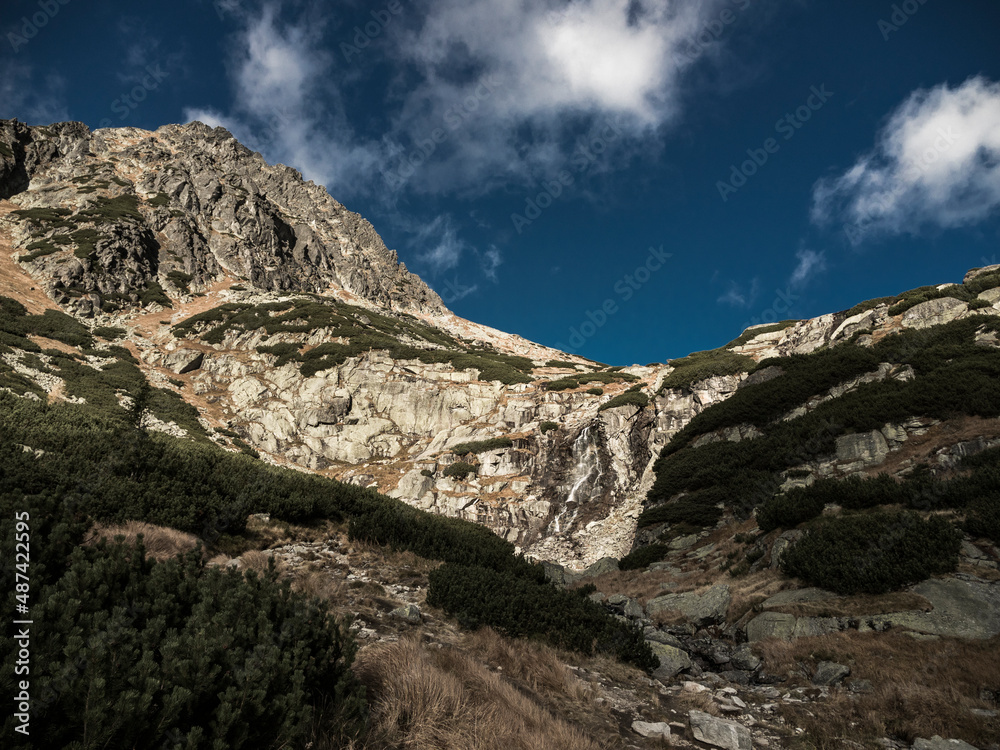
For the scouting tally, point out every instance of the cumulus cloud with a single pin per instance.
(514, 83)
(811, 263)
(936, 162)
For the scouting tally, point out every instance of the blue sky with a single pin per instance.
(627, 179)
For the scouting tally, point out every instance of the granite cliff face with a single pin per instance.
(286, 321)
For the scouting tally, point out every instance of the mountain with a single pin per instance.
(199, 340)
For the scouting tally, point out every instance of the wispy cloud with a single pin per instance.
(490, 260)
(285, 106)
(936, 162)
(442, 247)
(24, 95)
(738, 295)
(811, 263)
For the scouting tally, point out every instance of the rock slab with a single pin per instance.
(720, 733)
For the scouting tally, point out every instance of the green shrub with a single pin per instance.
(112, 210)
(523, 608)
(427, 473)
(547, 427)
(109, 333)
(630, 398)
(701, 365)
(481, 446)
(153, 293)
(872, 553)
(595, 391)
(788, 510)
(983, 519)
(159, 200)
(979, 304)
(459, 470)
(127, 652)
(643, 557)
(698, 510)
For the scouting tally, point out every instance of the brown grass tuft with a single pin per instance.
(920, 688)
(442, 698)
(161, 542)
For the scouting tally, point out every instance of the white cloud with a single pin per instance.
(490, 261)
(737, 296)
(937, 161)
(555, 69)
(442, 248)
(810, 264)
(284, 106)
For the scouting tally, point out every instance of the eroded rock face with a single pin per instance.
(187, 206)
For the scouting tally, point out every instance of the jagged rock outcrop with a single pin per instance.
(183, 208)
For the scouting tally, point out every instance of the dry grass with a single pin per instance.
(161, 542)
(442, 698)
(920, 688)
(258, 561)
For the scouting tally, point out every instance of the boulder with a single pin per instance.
(707, 608)
(407, 613)
(651, 729)
(830, 673)
(719, 732)
(782, 543)
(866, 448)
(744, 658)
(771, 625)
(602, 566)
(183, 361)
(673, 661)
(937, 743)
(962, 609)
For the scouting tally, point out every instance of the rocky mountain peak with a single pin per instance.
(179, 210)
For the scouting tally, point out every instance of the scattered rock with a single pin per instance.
(183, 361)
(407, 613)
(721, 733)
(602, 566)
(649, 729)
(830, 673)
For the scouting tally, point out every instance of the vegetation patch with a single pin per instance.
(702, 365)
(524, 608)
(629, 398)
(460, 470)
(481, 446)
(363, 330)
(575, 381)
(872, 553)
(548, 427)
(642, 557)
